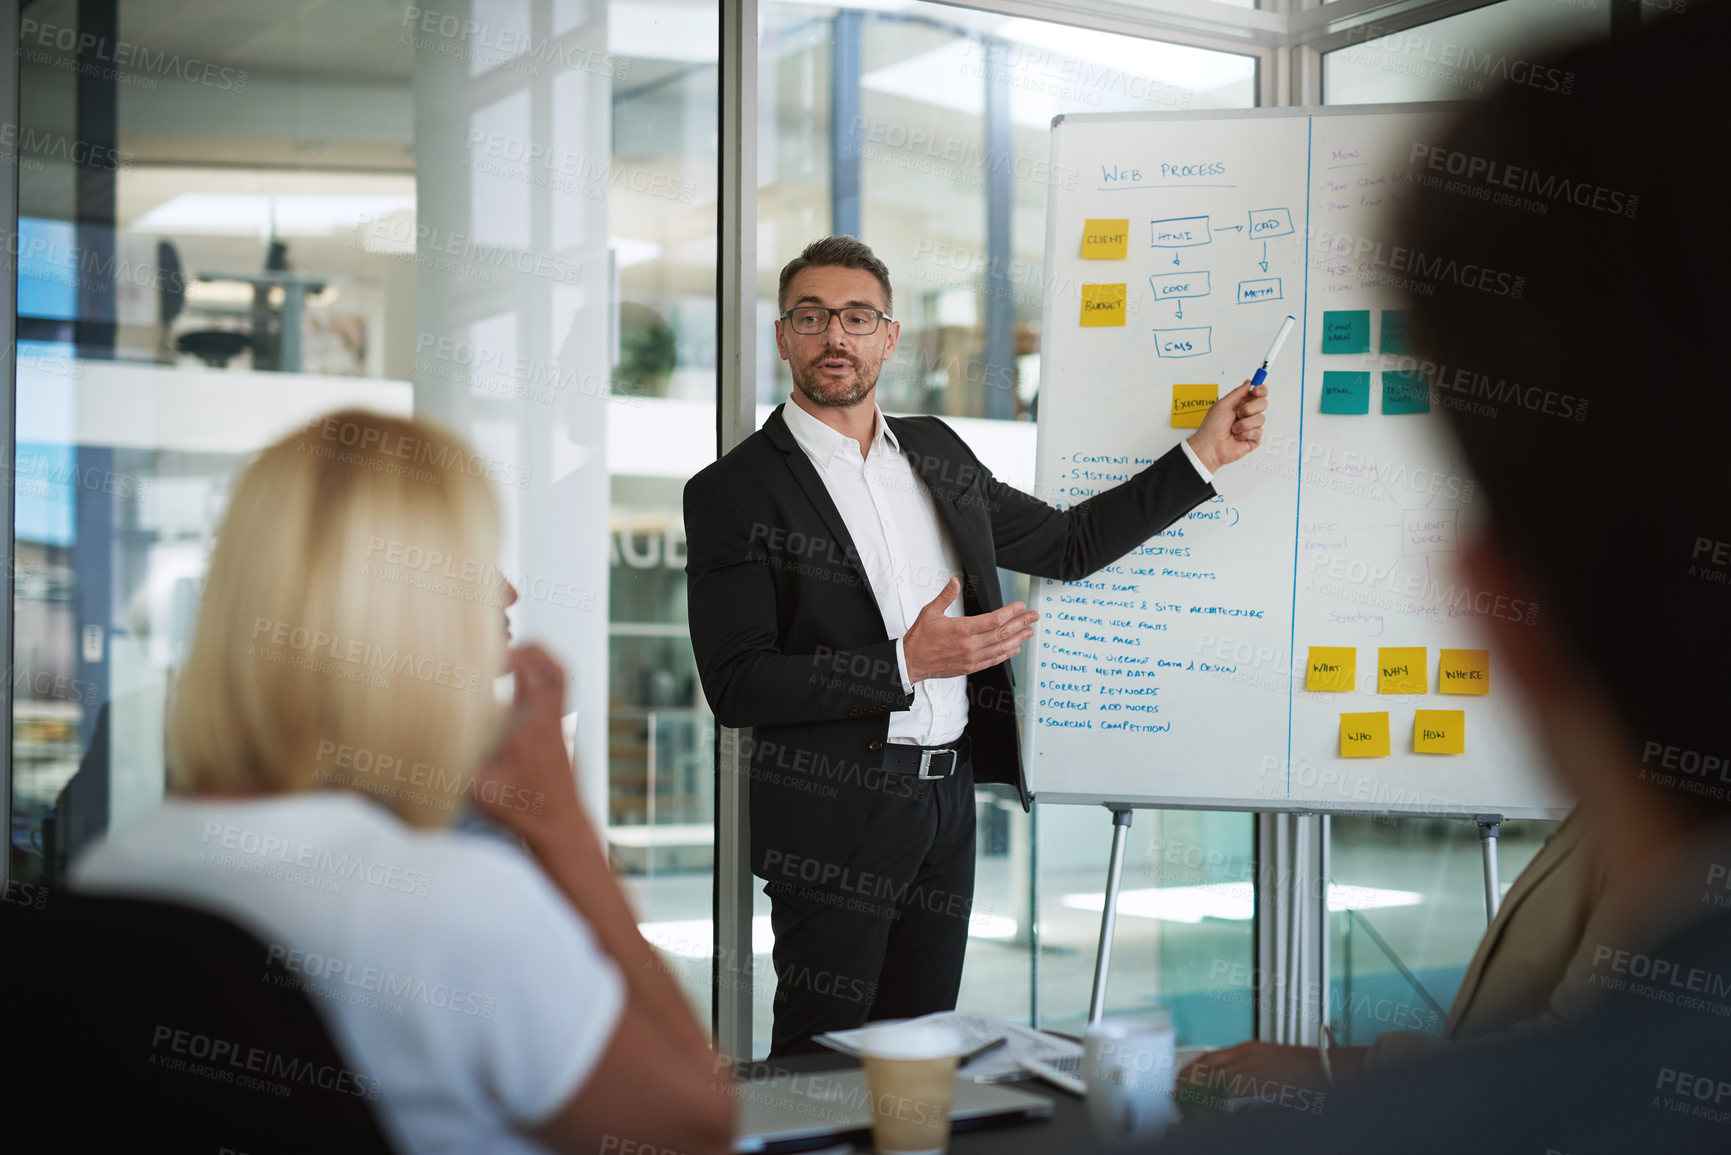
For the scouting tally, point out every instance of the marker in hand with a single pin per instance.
(1273, 350)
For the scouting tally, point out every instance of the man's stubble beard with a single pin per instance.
(803, 381)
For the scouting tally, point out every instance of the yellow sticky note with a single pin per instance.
(1439, 732)
(1400, 670)
(1364, 735)
(1464, 672)
(1332, 668)
(1190, 403)
(1105, 240)
(1102, 305)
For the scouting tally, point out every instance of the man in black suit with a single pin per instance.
(844, 604)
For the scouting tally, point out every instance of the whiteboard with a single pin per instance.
(1177, 676)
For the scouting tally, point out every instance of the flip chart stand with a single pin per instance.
(1109, 910)
(1489, 827)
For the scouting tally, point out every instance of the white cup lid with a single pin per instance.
(909, 1041)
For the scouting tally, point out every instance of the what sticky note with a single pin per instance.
(1190, 403)
(1346, 331)
(1364, 735)
(1102, 305)
(1400, 670)
(1404, 391)
(1439, 732)
(1395, 336)
(1105, 240)
(1464, 672)
(1331, 668)
(1345, 392)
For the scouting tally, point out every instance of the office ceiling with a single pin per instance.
(353, 39)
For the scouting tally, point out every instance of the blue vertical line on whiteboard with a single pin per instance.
(1298, 488)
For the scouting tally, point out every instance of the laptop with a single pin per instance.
(797, 1110)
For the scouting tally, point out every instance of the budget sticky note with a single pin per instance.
(1464, 672)
(1400, 670)
(1346, 332)
(1404, 392)
(1190, 403)
(1345, 392)
(1105, 240)
(1439, 732)
(1331, 668)
(1364, 735)
(1102, 305)
(1395, 337)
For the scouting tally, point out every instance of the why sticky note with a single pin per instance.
(1395, 337)
(1190, 403)
(1400, 670)
(1464, 672)
(1105, 240)
(1404, 391)
(1439, 732)
(1345, 392)
(1346, 332)
(1332, 668)
(1102, 305)
(1364, 735)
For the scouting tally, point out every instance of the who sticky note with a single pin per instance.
(1364, 735)
(1345, 392)
(1190, 403)
(1102, 305)
(1464, 672)
(1439, 732)
(1404, 391)
(1400, 670)
(1346, 331)
(1396, 338)
(1331, 668)
(1105, 240)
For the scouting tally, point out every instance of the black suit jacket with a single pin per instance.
(790, 641)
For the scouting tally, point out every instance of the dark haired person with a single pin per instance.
(844, 603)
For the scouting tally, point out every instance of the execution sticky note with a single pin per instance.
(1332, 668)
(1400, 670)
(1404, 391)
(1102, 305)
(1464, 672)
(1439, 732)
(1345, 392)
(1395, 338)
(1105, 240)
(1364, 735)
(1346, 332)
(1190, 402)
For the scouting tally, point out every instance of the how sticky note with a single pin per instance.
(1464, 672)
(1439, 732)
(1404, 391)
(1190, 403)
(1395, 338)
(1331, 668)
(1102, 305)
(1346, 332)
(1364, 735)
(1400, 670)
(1105, 240)
(1345, 392)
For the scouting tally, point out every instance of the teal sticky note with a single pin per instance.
(1346, 332)
(1395, 337)
(1405, 392)
(1345, 392)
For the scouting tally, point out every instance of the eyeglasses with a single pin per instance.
(812, 320)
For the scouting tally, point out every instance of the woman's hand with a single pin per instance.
(1255, 1063)
(527, 785)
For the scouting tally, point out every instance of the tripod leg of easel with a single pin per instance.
(1489, 826)
(1109, 914)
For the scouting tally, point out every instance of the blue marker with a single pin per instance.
(1279, 340)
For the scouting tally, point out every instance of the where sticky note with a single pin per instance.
(1395, 337)
(1464, 672)
(1345, 392)
(1102, 305)
(1364, 735)
(1190, 403)
(1439, 732)
(1105, 240)
(1346, 332)
(1400, 670)
(1404, 391)
(1331, 668)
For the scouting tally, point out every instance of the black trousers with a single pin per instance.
(881, 934)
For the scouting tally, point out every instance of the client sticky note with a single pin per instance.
(1331, 668)
(1405, 392)
(1439, 732)
(1364, 735)
(1400, 670)
(1190, 402)
(1105, 240)
(1395, 337)
(1464, 672)
(1345, 392)
(1102, 305)
(1346, 331)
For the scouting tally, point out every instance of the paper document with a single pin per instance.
(977, 1029)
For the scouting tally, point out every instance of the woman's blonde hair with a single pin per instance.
(352, 622)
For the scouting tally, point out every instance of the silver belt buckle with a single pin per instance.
(926, 761)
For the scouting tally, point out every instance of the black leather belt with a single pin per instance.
(927, 762)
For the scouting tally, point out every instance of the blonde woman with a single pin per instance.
(335, 712)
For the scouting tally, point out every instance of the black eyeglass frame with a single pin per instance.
(829, 313)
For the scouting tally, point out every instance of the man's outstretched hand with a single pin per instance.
(937, 646)
(1231, 428)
